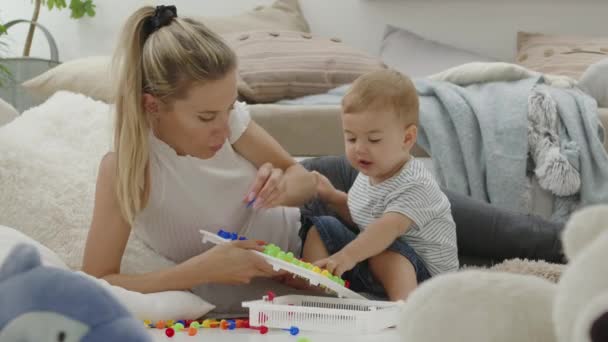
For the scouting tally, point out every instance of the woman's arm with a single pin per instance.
(109, 233)
(257, 146)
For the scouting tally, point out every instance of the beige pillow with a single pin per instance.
(275, 65)
(91, 75)
(566, 55)
(282, 15)
(7, 112)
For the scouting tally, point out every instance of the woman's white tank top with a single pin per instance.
(188, 194)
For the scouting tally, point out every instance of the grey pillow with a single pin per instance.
(416, 56)
(595, 82)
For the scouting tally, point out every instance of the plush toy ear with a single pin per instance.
(599, 328)
(21, 259)
(584, 227)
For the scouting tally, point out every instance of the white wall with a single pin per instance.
(485, 26)
(97, 35)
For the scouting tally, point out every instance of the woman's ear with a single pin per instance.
(150, 103)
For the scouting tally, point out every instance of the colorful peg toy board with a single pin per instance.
(315, 279)
(324, 314)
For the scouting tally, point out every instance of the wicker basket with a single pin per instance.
(25, 68)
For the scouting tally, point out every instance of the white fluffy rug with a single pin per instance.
(48, 168)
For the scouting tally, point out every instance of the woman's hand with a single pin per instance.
(269, 188)
(234, 263)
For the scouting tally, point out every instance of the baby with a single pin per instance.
(406, 232)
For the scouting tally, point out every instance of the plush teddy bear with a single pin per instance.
(483, 306)
(40, 303)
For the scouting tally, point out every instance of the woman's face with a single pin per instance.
(197, 125)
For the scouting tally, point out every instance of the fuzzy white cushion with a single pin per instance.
(585, 279)
(447, 307)
(49, 158)
(7, 112)
(584, 227)
(153, 306)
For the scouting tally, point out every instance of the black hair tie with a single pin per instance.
(163, 15)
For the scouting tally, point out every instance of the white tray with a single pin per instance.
(315, 279)
(325, 314)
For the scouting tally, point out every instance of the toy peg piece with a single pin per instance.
(293, 331)
(263, 329)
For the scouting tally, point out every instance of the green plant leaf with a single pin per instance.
(80, 8)
(90, 8)
(60, 4)
(5, 74)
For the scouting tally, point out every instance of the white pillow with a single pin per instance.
(7, 112)
(594, 81)
(10, 237)
(480, 72)
(167, 305)
(416, 56)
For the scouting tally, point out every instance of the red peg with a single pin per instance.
(263, 329)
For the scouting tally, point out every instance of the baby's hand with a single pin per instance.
(325, 190)
(337, 264)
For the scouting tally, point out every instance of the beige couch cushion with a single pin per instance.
(306, 131)
(276, 65)
(565, 55)
(317, 130)
(282, 15)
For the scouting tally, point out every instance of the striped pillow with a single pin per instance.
(565, 55)
(275, 65)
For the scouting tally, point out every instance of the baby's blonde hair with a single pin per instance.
(165, 64)
(383, 90)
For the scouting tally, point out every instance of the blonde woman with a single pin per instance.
(187, 157)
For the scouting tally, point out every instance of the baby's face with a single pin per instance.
(377, 143)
